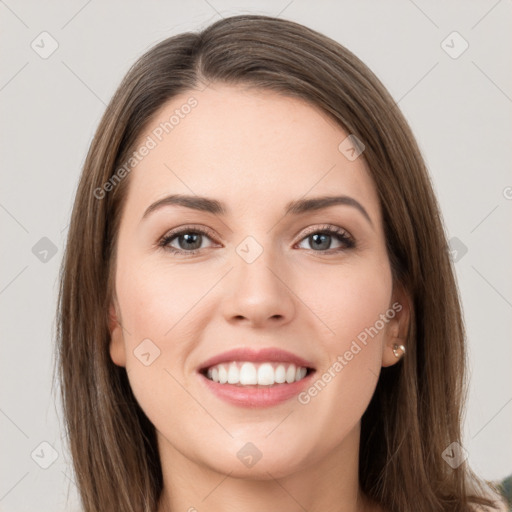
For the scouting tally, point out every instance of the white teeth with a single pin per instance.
(248, 374)
(233, 374)
(262, 374)
(266, 375)
(223, 374)
(290, 374)
(280, 374)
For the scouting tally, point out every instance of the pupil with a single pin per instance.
(323, 237)
(190, 239)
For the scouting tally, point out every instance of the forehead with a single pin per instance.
(248, 148)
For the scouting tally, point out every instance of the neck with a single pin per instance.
(315, 484)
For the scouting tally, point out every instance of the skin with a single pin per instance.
(255, 151)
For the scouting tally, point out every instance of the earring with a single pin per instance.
(396, 349)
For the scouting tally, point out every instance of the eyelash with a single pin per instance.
(327, 229)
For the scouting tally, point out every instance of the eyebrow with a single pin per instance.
(295, 207)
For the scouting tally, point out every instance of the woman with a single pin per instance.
(257, 306)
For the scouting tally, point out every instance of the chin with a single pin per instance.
(258, 460)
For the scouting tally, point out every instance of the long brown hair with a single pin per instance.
(417, 409)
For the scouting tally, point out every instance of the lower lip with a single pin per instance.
(252, 396)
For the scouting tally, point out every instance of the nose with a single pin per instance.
(260, 293)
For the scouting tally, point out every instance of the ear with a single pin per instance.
(399, 314)
(117, 345)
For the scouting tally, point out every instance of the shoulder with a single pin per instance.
(494, 490)
(500, 502)
(500, 506)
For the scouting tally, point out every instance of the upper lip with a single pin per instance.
(256, 355)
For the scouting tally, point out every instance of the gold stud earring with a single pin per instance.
(397, 348)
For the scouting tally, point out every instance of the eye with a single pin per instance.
(321, 238)
(188, 239)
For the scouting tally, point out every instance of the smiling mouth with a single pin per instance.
(252, 374)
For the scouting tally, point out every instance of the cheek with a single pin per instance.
(349, 300)
(162, 317)
(155, 298)
(351, 306)
(152, 305)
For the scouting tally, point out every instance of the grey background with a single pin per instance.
(459, 109)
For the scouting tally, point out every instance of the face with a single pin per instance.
(311, 285)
